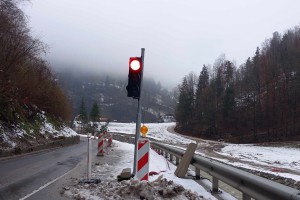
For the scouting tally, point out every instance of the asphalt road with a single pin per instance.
(40, 175)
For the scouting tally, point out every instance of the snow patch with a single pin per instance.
(7, 140)
(10, 137)
(280, 157)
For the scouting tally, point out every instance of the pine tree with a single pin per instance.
(228, 103)
(184, 110)
(203, 82)
(82, 112)
(95, 113)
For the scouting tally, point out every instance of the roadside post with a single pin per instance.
(89, 161)
(143, 159)
(100, 144)
(143, 155)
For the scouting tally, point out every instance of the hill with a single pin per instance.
(110, 94)
(33, 108)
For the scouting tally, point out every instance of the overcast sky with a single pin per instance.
(179, 35)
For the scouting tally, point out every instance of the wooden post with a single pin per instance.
(185, 161)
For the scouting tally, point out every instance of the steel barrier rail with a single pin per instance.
(252, 186)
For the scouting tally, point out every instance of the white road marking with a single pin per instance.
(42, 187)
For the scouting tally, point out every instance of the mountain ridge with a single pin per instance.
(110, 94)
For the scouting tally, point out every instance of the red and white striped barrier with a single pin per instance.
(100, 145)
(143, 159)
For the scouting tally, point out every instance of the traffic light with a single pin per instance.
(134, 77)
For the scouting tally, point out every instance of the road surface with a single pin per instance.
(42, 175)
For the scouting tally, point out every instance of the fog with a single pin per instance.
(179, 36)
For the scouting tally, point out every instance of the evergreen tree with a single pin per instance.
(82, 112)
(228, 103)
(203, 82)
(184, 109)
(95, 113)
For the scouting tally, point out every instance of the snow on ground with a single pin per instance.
(156, 131)
(7, 141)
(67, 132)
(49, 128)
(163, 185)
(244, 155)
(13, 136)
(248, 156)
(276, 158)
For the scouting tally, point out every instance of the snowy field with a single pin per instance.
(156, 131)
(274, 160)
(283, 161)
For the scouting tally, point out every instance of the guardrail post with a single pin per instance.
(246, 197)
(166, 155)
(215, 185)
(177, 160)
(197, 172)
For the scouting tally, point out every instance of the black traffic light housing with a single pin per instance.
(134, 77)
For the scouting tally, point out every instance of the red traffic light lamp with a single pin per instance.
(134, 77)
(135, 63)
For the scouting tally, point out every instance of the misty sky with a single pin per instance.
(179, 36)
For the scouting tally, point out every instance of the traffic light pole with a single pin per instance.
(138, 120)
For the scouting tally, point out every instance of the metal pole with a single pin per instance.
(89, 167)
(138, 120)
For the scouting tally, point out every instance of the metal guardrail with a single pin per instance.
(250, 185)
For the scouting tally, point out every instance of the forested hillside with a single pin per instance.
(109, 92)
(257, 101)
(29, 94)
(25, 79)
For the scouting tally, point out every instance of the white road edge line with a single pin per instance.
(42, 187)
